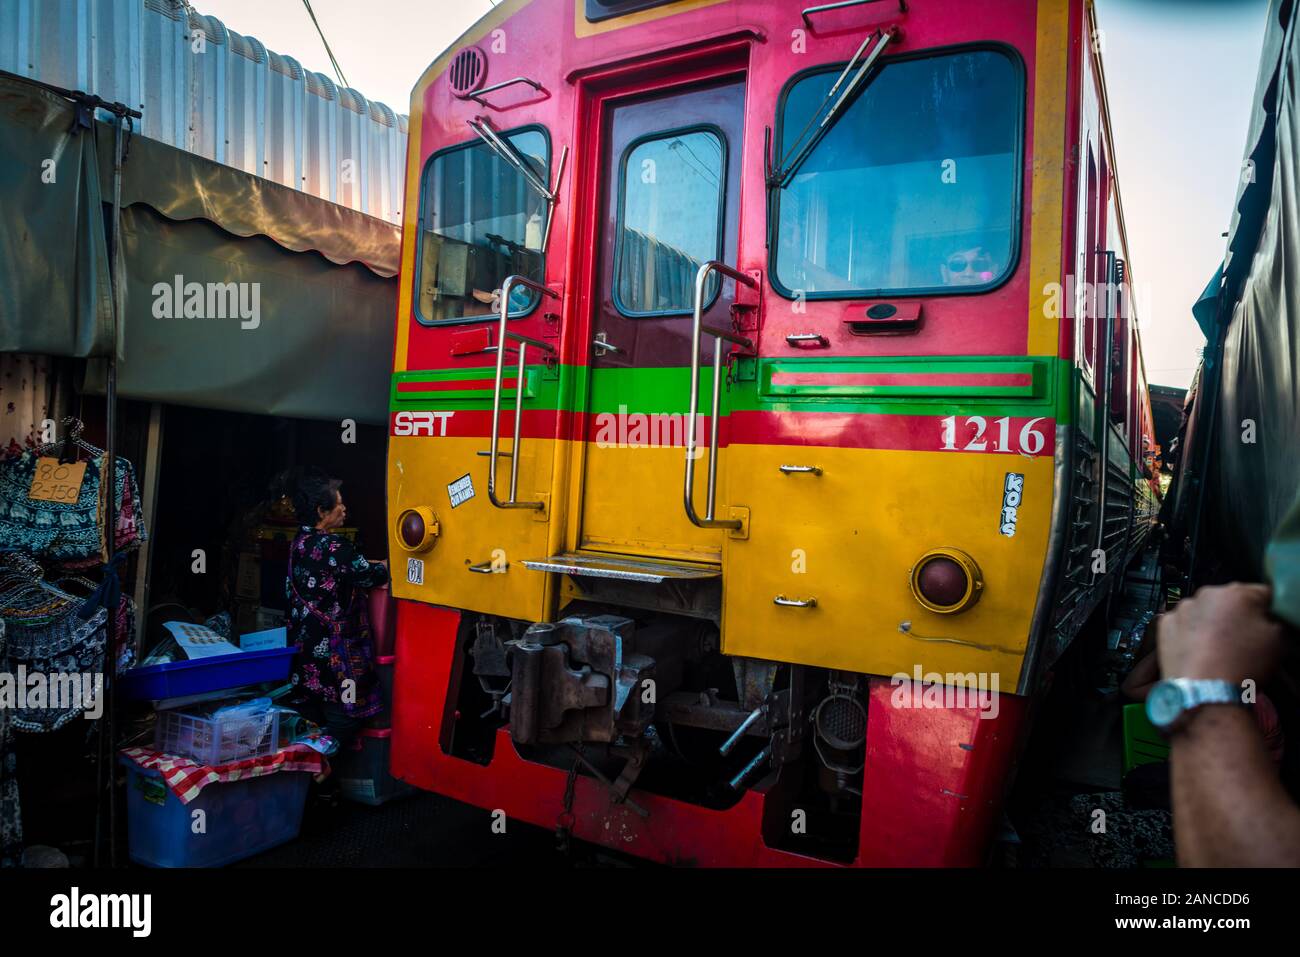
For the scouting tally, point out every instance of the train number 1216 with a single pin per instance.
(981, 435)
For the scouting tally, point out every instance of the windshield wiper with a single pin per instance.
(507, 151)
(822, 119)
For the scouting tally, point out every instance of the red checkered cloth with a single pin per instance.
(186, 779)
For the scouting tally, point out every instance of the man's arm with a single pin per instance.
(1230, 809)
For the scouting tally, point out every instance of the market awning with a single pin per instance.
(240, 294)
(275, 332)
(1255, 313)
(54, 285)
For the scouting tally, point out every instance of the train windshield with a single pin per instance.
(480, 221)
(914, 189)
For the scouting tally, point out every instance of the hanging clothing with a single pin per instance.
(68, 532)
(46, 635)
(11, 819)
(328, 622)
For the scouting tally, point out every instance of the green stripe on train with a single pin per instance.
(755, 387)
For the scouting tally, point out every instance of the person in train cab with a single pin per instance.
(968, 267)
(327, 577)
(1229, 804)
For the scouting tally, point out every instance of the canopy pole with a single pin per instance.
(107, 745)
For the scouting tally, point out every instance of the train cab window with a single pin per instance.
(669, 220)
(915, 189)
(598, 10)
(480, 221)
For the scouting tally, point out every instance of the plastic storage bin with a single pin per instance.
(363, 772)
(177, 679)
(232, 735)
(241, 818)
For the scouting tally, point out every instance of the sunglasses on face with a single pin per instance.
(978, 264)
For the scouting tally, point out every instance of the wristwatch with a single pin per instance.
(1171, 701)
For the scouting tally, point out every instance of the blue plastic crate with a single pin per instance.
(242, 818)
(176, 679)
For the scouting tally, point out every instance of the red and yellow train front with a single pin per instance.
(793, 627)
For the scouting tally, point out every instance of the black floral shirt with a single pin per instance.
(328, 623)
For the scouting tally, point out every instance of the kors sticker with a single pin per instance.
(1012, 491)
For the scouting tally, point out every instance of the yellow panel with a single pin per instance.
(849, 539)
(419, 471)
(1047, 189)
(632, 503)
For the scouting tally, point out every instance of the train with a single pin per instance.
(768, 417)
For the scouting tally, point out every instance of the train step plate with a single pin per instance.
(625, 569)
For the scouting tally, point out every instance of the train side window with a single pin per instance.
(480, 222)
(1122, 336)
(672, 193)
(1091, 304)
(916, 187)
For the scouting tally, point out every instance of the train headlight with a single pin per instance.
(417, 529)
(946, 581)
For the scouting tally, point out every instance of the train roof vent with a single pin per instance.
(468, 70)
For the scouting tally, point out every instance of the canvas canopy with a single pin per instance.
(239, 293)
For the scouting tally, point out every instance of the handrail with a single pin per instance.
(701, 280)
(823, 8)
(524, 342)
(478, 95)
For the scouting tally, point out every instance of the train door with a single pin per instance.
(671, 174)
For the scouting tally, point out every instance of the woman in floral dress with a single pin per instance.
(328, 624)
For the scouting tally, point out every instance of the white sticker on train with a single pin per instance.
(415, 571)
(461, 490)
(1012, 492)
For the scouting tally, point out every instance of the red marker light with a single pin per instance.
(946, 581)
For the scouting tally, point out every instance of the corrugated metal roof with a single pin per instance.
(204, 88)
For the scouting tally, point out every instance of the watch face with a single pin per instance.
(1164, 703)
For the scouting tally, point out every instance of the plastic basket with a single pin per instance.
(232, 736)
(180, 678)
(1143, 744)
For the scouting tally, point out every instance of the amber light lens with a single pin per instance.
(417, 529)
(412, 529)
(946, 580)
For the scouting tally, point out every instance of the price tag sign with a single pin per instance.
(56, 481)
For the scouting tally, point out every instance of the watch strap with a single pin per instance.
(1200, 691)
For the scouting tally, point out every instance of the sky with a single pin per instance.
(1180, 74)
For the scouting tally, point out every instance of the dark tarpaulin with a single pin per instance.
(55, 294)
(1254, 474)
(320, 346)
